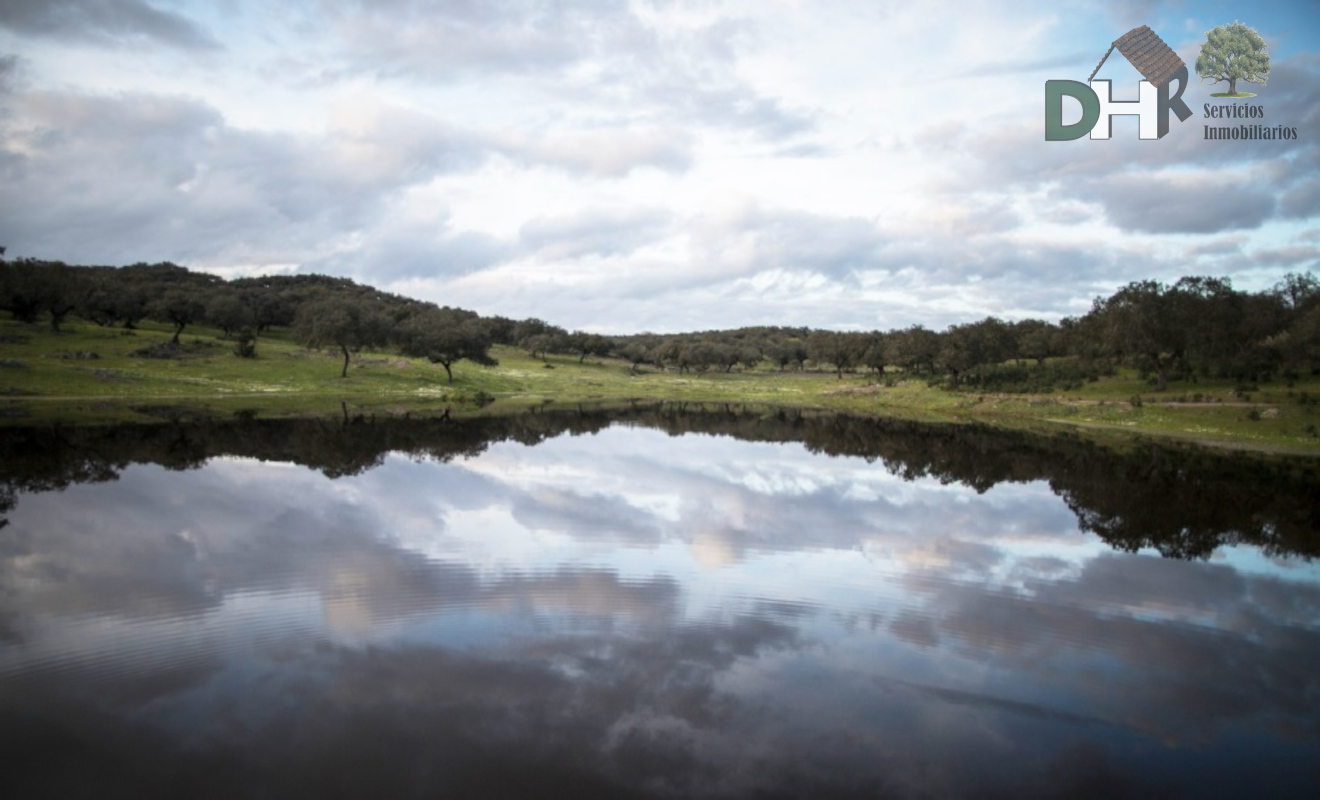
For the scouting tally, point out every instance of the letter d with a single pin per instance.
(1055, 130)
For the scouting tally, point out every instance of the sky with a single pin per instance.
(646, 165)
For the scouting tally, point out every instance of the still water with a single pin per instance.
(627, 610)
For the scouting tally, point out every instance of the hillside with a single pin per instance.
(88, 373)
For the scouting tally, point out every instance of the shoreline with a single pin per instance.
(90, 375)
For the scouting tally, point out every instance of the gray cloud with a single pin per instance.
(1286, 256)
(232, 535)
(595, 231)
(1301, 201)
(396, 251)
(8, 72)
(150, 177)
(144, 177)
(1226, 245)
(1180, 204)
(119, 23)
(442, 39)
(930, 279)
(1190, 683)
(599, 56)
(600, 92)
(1128, 14)
(586, 516)
(400, 252)
(768, 239)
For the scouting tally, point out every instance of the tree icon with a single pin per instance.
(1233, 53)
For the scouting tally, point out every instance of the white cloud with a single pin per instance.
(653, 164)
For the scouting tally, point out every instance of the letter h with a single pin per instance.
(1147, 109)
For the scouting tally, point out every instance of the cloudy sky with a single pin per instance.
(635, 165)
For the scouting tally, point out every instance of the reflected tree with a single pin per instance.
(1183, 502)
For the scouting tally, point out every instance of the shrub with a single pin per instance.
(246, 346)
(1032, 379)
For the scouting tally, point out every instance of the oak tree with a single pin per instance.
(1233, 53)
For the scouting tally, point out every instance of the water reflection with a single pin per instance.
(633, 612)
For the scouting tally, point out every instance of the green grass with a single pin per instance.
(40, 381)
(44, 377)
(1232, 94)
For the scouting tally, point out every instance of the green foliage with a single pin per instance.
(1233, 53)
(340, 321)
(1034, 378)
(227, 310)
(29, 288)
(246, 344)
(180, 307)
(965, 347)
(446, 335)
(1199, 329)
(844, 350)
(914, 349)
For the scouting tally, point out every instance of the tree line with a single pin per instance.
(1197, 326)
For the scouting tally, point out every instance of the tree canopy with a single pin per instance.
(445, 335)
(1233, 53)
(1196, 326)
(339, 321)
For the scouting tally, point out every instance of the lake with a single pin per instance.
(656, 602)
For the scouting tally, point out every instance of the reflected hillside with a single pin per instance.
(1183, 502)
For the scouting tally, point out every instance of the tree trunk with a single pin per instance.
(344, 372)
(448, 371)
(1161, 372)
(178, 329)
(1232, 85)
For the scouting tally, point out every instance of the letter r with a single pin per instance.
(1175, 103)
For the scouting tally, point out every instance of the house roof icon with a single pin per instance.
(1154, 59)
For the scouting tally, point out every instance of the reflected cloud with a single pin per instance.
(632, 613)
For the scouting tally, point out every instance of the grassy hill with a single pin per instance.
(92, 374)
